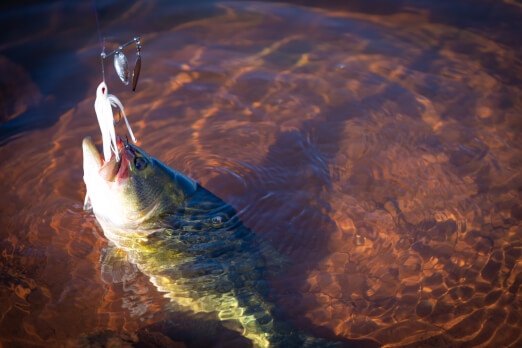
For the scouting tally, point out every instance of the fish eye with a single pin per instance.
(140, 163)
(217, 220)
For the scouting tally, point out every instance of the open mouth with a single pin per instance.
(112, 170)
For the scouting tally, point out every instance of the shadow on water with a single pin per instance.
(304, 231)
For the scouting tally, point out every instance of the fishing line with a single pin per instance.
(98, 24)
(102, 43)
(104, 101)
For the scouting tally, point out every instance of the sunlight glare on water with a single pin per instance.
(380, 153)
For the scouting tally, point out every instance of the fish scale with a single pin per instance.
(207, 271)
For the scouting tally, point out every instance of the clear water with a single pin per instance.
(378, 150)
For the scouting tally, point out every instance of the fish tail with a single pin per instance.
(286, 336)
(256, 319)
(265, 330)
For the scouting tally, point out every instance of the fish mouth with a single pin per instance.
(91, 157)
(112, 170)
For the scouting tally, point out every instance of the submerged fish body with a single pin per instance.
(188, 241)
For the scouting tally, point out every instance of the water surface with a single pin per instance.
(380, 152)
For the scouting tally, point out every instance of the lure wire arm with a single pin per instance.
(138, 48)
(121, 63)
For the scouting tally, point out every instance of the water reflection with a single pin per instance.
(379, 152)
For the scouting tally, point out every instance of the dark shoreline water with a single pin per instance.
(376, 145)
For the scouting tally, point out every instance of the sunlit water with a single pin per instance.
(380, 153)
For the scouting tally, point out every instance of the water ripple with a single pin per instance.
(379, 153)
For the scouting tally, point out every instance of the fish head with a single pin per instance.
(135, 192)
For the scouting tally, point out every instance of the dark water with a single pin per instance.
(377, 147)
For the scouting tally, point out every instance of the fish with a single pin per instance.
(190, 243)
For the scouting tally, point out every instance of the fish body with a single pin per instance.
(188, 241)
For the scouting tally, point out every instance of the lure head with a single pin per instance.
(102, 90)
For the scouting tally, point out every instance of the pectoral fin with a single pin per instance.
(115, 267)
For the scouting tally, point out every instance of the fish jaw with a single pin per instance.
(112, 170)
(104, 185)
(91, 156)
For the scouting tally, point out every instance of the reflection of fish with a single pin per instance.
(189, 242)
